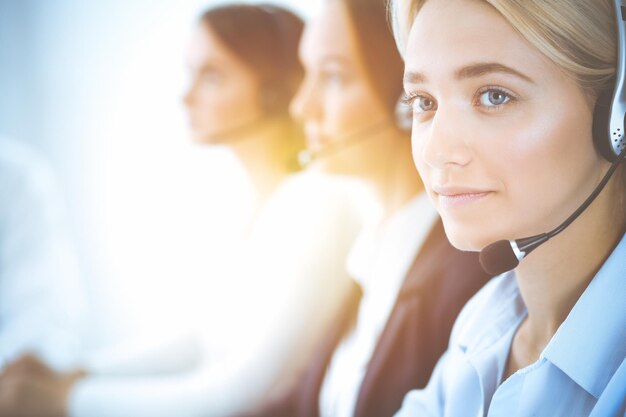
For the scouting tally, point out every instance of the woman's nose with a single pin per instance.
(304, 104)
(445, 142)
(188, 96)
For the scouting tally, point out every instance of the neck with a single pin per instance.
(555, 275)
(389, 171)
(265, 153)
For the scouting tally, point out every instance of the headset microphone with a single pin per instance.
(505, 255)
(609, 126)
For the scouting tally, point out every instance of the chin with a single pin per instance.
(205, 138)
(468, 237)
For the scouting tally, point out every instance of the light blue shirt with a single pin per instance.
(581, 372)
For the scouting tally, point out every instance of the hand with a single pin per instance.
(29, 388)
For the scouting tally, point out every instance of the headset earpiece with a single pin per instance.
(609, 114)
(609, 125)
(602, 137)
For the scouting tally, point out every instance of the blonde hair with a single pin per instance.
(577, 35)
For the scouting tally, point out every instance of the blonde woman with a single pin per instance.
(503, 94)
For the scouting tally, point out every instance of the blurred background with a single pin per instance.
(96, 87)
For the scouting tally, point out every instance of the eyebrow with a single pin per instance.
(205, 68)
(470, 71)
(476, 70)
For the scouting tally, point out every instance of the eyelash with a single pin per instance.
(511, 98)
(410, 99)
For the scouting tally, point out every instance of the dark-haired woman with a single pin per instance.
(408, 282)
(287, 275)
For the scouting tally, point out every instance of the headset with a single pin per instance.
(610, 109)
(608, 130)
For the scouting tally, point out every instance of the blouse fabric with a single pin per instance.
(581, 372)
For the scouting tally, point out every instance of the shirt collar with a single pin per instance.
(591, 342)
(491, 316)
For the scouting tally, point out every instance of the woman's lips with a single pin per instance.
(452, 197)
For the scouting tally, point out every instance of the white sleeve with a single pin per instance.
(41, 306)
(182, 395)
(290, 282)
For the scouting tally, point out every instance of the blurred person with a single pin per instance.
(286, 277)
(41, 304)
(518, 134)
(408, 283)
(41, 301)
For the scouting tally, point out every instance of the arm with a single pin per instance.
(287, 290)
(40, 301)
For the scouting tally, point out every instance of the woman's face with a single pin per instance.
(501, 136)
(223, 95)
(335, 102)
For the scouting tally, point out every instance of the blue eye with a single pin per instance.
(419, 103)
(423, 104)
(493, 98)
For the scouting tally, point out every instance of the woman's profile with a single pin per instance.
(408, 282)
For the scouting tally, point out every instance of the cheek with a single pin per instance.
(349, 111)
(423, 169)
(226, 105)
(210, 100)
(417, 147)
(547, 166)
(542, 165)
(340, 113)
